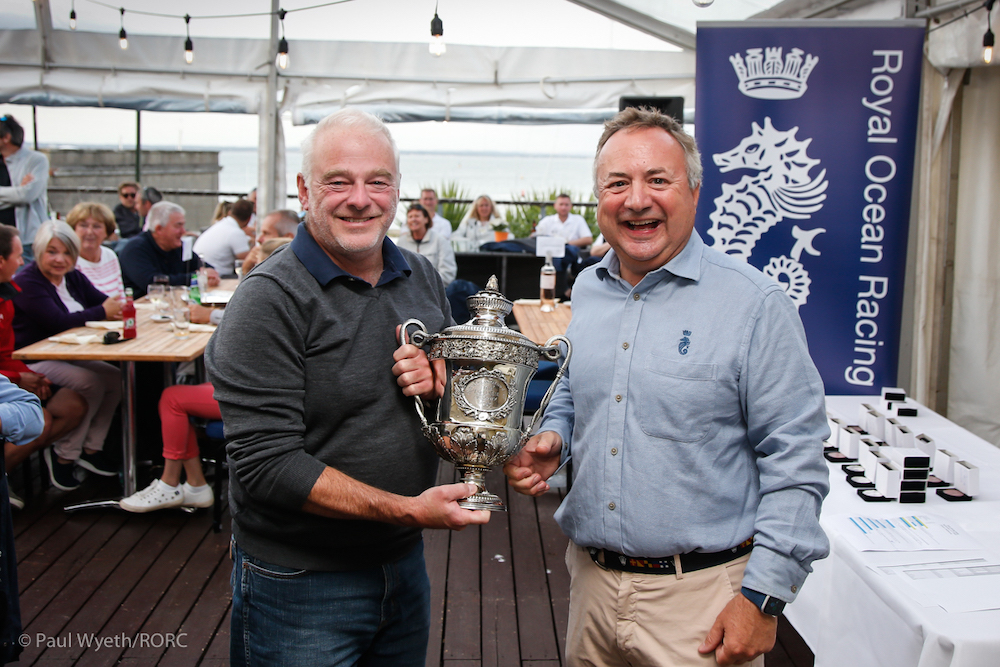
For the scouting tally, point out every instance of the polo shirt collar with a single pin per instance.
(687, 263)
(325, 270)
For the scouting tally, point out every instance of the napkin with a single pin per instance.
(75, 339)
(202, 328)
(143, 305)
(104, 324)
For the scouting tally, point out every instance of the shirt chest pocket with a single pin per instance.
(677, 401)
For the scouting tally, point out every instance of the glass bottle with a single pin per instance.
(194, 294)
(128, 316)
(547, 285)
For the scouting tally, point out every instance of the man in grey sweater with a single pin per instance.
(330, 476)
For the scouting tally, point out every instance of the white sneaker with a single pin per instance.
(198, 496)
(156, 496)
(15, 500)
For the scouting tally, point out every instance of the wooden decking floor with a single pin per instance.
(105, 587)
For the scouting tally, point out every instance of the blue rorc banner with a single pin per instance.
(807, 134)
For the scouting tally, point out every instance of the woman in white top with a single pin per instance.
(477, 228)
(93, 224)
(419, 238)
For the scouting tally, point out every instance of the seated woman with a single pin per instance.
(93, 224)
(421, 239)
(477, 228)
(55, 297)
(62, 408)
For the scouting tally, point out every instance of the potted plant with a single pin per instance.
(499, 229)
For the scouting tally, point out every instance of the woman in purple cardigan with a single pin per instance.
(55, 297)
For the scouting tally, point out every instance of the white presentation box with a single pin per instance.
(925, 443)
(906, 457)
(967, 478)
(905, 437)
(868, 458)
(944, 465)
(887, 477)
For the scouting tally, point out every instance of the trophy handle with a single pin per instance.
(418, 338)
(551, 351)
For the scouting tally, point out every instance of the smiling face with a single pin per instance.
(269, 228)
(12, 262)
(92, 234)
(484, 209)
(56, 261)
(645, 206)
(417, 221)
(350, 200)
(170, 236)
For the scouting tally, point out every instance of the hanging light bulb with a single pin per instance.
(72, 15)
(122, 37)
(188, 44)
(282, 60)
(437, 45)
(988, 47)
(702, 3)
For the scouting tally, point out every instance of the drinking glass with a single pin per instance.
(161, 279)
(181, 323)
(179, 296)
(157, 295)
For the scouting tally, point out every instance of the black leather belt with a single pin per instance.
(690, 562)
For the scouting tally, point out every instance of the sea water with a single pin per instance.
(502, 176)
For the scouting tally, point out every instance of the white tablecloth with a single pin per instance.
(850, 616)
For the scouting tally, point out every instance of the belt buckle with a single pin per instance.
(597, 555)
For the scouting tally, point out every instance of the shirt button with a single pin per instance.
(624, 346)
(636, 297)
(611, 506)
(618, 398)
(794, 588)
(614, 451)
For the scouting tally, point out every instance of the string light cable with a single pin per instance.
(187, 18)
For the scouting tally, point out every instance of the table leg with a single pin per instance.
(128, 440)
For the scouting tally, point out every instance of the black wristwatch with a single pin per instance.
(768, 604)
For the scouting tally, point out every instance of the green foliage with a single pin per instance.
(523, 217)
(454, 213)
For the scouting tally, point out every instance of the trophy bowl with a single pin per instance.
(477, 423)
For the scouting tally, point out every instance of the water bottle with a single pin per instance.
(194, 294)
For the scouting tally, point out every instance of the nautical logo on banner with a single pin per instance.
(764, 76)
(782, 187)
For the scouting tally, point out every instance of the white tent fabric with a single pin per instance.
(974, 397)
(484, 84)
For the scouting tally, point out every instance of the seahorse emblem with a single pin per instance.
(684, 343)
(781, 188)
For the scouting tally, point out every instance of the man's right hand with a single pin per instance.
(437, 507)
(534, 464)
(39, 385)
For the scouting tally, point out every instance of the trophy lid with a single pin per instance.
(489, 307)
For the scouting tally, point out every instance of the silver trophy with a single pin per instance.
(488, 366)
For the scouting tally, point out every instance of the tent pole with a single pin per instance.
(267, 197)
(138, 147)
(34, 124)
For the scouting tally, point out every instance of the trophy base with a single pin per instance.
(483, 501)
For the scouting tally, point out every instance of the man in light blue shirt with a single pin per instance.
(695, 420)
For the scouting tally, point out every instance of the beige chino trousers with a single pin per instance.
(645, 620)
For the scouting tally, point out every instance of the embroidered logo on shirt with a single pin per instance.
(684, 343)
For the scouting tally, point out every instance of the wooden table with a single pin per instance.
(539, 327)
(155, 342)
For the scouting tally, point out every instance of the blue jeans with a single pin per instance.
(372, 617)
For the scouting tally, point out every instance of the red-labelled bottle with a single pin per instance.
(128, 316)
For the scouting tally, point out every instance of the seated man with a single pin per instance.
(570, 226)
(280, 224)
(225, 241)
(158, 252)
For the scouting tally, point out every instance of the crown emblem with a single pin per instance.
(765, 77)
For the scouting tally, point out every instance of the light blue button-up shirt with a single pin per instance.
(30, 202)
(695, 418)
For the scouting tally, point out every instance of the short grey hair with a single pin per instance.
(351, 119)
(160, 214)
(288, 221)
(645, 117)
(59, 230)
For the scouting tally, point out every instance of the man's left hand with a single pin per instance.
(741, 633)
(415, 374)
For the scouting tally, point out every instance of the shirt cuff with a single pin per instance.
(771, 573)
